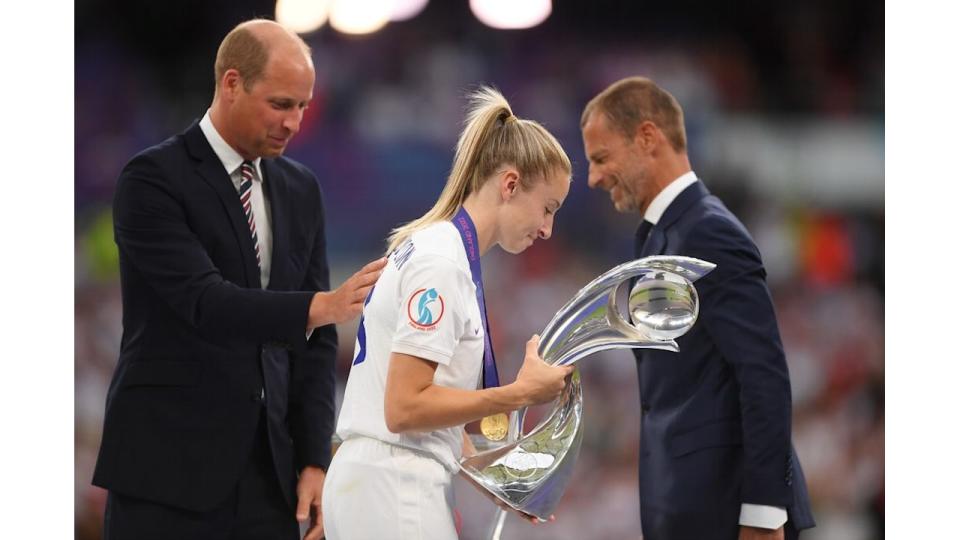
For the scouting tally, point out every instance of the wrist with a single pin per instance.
(318, 311)
(511, 397)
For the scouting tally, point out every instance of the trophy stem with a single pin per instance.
(498, 524)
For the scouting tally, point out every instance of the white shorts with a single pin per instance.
(379, 491)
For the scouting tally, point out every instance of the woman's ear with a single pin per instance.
(509, 183)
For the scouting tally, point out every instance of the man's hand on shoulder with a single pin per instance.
(346, 301)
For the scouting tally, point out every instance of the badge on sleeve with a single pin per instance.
(425, 309)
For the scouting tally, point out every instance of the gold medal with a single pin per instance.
(494, 427)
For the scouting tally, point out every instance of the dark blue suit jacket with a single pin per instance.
(201, 338)
(715, 428)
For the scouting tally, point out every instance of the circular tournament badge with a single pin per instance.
(425, 309)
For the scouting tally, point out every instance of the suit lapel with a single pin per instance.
(211, 170)
(275, 188)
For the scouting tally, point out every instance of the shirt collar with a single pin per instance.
(229, 157)
(662, 201)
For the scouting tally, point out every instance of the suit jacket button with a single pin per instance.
(645, 406)
(257, 396)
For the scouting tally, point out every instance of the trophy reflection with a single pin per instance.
(530, 471)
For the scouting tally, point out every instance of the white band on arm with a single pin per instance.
(765, 517)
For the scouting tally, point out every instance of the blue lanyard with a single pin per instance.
(468, 234)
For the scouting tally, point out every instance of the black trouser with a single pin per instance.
(790, 532)
(255, 510)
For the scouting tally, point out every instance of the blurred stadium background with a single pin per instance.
(784, 105)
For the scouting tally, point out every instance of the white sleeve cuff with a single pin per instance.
(421, 351)
(765, 517)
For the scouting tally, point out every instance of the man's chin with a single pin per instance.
(624, 207)
(273, 151)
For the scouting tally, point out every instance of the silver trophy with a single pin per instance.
(529, 472)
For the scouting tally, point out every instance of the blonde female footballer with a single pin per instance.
(423, 365)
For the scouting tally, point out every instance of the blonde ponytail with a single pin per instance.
(491, 136)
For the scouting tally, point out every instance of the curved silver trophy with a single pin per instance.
(529, 472)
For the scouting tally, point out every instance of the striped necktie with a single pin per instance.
(246, 192)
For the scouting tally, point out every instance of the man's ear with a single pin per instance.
(231, 84)
(647, 135)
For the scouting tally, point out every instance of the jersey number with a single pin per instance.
(362, 333)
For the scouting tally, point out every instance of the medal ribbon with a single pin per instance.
(468, 234)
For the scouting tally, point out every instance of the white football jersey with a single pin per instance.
(424, 305)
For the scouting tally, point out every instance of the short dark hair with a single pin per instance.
(629, 102)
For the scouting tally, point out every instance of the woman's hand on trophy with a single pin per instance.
(535, 520)
(537, 381)
(521, 514)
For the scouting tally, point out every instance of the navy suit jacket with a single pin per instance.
(715, 428)
(202, 339)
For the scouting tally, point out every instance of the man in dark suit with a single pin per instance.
(220, 412)
(716, 458)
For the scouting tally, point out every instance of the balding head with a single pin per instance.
(251, 44)
(265, 81)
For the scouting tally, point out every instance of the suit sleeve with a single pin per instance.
(154, 236)
(313, 385)
(738, 313)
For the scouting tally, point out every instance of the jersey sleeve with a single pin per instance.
(434, 294)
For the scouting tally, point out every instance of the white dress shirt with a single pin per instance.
(752, 515)
(662, 201)
(231, 161)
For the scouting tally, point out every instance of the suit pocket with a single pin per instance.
(721, 433)
(162, 373)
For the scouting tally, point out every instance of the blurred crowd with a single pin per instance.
(380, 136)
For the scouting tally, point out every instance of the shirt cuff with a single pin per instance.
(765, 517)
(421, 351)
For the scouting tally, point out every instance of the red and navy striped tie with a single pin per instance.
(246, 191)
